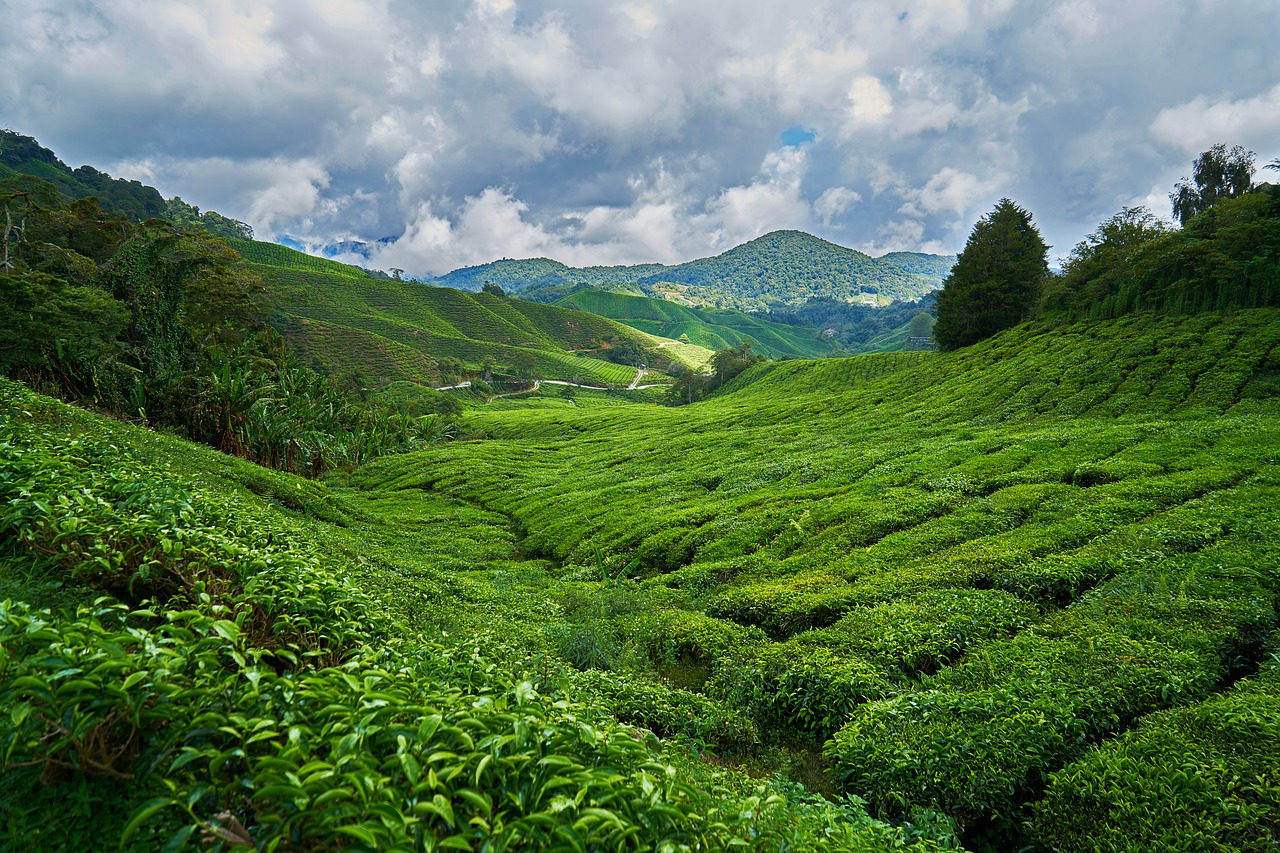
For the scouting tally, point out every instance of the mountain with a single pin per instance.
(779, 270)
(24, 156)
(713, 328)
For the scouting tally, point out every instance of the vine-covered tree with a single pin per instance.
(1218, 174)
(996, 279)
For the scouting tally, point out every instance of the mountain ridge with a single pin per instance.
(780, 269)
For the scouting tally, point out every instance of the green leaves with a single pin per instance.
(996, 280)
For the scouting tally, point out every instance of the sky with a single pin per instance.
(448, 133)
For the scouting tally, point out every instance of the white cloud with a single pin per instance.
(952, 191)
(1196, 125)
(869, 102)
(833, 202)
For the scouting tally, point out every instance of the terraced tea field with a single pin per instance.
(1020, 595)
(969, 579)
(390, 330)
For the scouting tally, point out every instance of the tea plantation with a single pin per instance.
(384, 330)
(1022, 595)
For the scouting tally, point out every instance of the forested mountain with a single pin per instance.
(22, 155)
(781, 269)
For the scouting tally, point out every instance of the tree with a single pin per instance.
(1218, 174)
(995, 281)
(921, 325)
(728, 363)
(624, 351)
(1099, 265)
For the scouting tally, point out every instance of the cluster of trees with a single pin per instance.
(163, 323)
(1226, 254)
(725, 365)
(852, 324)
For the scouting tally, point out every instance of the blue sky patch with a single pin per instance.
(795, 136)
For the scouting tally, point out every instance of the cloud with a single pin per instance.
(463, 130)
(869, 102)
(951, 191)
(833, 202)
(1202, 122)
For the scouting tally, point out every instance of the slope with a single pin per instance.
(960, 572)
(385, 330)
(713, 329)
(236, 654)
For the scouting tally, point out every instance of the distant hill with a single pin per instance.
(782, 269)
(384, 330)
(707, 327)
(22, 155)
(133, 200)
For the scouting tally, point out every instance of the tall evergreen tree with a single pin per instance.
(996, 279)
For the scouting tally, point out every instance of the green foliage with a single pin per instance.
(780, 269)
(713, 329)
(130, 199)
(726, 365)
(56, 326)
(1224, 258)
(179, 212)
(996, 280)
(1203, 778)
(193, 720)
(1219, 174)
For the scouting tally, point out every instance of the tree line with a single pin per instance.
(1225, 254)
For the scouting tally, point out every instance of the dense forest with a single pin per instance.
(1017, 594)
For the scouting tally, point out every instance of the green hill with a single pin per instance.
(22, 155)
(383, 330)
(710, 328)
(780, 269)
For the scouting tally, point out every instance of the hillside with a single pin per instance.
(382, 330)
(709, 328)
(1018, 591)
(22, 155)
(1023, 595)
(956, 572)
(780, 269)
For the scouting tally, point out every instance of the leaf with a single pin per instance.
(484, 762)
(226, 629)
(362, 832)
(178, 840)
(477, 800)
(143, 814)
